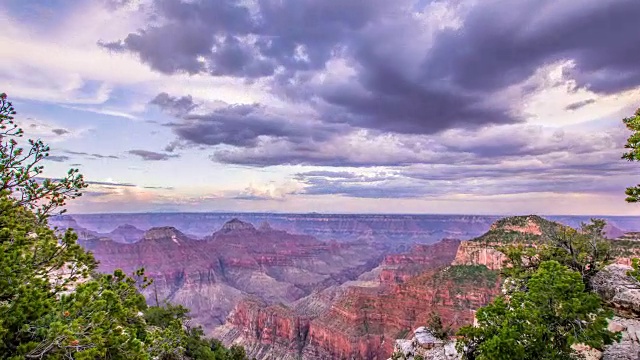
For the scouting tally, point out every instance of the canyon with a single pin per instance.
(315, 286)
(212, 274)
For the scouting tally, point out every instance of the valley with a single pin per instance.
(298, 287)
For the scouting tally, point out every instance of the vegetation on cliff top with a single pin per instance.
(543, 322)
(468, 274)
(503, 231)
(548, 305)
(53, 305)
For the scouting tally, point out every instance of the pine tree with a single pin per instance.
(53, 303)
(633, 143)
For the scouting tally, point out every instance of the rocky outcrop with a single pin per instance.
(165, 233)
(399, 268)
(426, 346)
(476, 253)
(621, 292)
(126, 234)
(629, 346)
(484, 250)
(270, 325)
(362, 323)
(629, 236)
(618, 290)
(235, 225)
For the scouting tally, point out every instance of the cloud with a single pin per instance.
(47, 130)
(174, 105)
(463, 54)
(60, 131)
(263, 192)
(328, 174)
(151, 155)
(409, 99)
(56, 158)
(109, 183)
(239, 125)
(159, 187)
(580, 104)
(91, 156)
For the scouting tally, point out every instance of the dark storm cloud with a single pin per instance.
(174, 105)
(495, 47)
(579, 104)
(151, 155)
(190, 32)
(495, 143)
(213, 36)
(60, 131)
(502, 45)
(239, 125)
(313, 154)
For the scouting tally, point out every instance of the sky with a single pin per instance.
(354, 106)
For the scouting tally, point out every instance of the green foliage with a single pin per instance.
(503, 233)
(36, 267)
(585, 251)
(465, 274)
(543, 322)
(20, 169)
(633, 143)
(519, 221)
(52, 303)
(437, 328)
(635, 273)
(192, 340)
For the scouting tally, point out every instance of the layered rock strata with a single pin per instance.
(212, 275)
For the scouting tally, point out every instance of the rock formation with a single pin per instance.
(424, 345)
(212, 275)
(398, 268)
(473, 252)
(126, 234)
(286, 296)
(361, 319)
(622, 293)
(484, 250)
(618, 290)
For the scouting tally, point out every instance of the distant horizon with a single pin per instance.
(338, 213)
